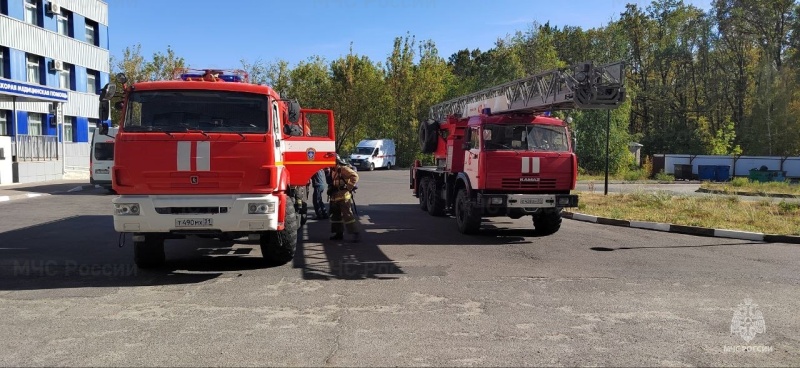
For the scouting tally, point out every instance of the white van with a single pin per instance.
(102, 158)
(372, 154)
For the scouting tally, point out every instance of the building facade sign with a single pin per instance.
(35, 91)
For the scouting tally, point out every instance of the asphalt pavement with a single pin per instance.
(415, 292)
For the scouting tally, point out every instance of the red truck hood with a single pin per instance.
(148, 163)
(530, 171)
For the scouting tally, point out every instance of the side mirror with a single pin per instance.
(105, 109)
(108, 91)
(294, 111)
(466, 146)
(103, 128)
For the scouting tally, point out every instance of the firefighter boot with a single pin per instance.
(337, 236)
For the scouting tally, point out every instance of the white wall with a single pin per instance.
(742, 167)
(77, 156)
(6, 171)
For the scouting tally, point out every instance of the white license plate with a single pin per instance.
(205, 222)
(101, 171)
(531, 201)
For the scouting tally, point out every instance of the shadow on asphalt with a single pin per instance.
(53, 189)
(84, 251)
(327, 259)
(78, 251)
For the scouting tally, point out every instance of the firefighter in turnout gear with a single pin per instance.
(343, 181)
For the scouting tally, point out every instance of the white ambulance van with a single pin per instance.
(371, 154)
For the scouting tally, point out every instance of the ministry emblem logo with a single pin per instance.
(747, 321)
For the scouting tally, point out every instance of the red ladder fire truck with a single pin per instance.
(498, 152)
(210, 154)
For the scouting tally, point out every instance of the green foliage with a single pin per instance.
(653, 200)
(720, 142)
(722, 82)
(739, 182)
(661, 176)
(788, 207)
(162, 66)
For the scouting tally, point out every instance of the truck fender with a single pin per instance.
(461, 180)
(281, 192)
(283, 181)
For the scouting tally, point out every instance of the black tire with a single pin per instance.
(371, 167)
(428, 137)
(422, 193)
(388, 166)
(468, 218)
(547, 223)
(434, 199)
(278, 247)
(149, 253)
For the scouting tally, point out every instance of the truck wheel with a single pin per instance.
(422, 193)
(371, 167)
(547, 223)
(278, 247)
(389, 166)
(149, 253)
(435, 201)
(467, 217)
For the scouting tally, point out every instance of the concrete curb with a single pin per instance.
(749, 194)
(689, 230)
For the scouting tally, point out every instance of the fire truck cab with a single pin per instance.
(209, 154)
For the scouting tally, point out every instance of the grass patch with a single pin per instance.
(712, 212)
(744, 185)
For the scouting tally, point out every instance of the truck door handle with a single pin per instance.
(277, 143)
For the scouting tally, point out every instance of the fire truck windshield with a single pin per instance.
(192, 110)
(525, 137)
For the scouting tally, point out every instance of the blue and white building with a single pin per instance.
(54, 59)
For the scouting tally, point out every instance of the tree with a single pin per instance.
(138, 69)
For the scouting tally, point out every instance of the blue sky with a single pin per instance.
(218, 34)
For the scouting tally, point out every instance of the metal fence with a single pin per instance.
(35, 147)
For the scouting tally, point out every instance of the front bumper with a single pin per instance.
(196, 214)
(528, 202)
(360, 163)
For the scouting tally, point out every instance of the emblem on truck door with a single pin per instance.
(193, 179)
(311, 153)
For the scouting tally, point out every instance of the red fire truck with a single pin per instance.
(209, 154)
(498, 152)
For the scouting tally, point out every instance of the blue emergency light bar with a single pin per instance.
(227, 78)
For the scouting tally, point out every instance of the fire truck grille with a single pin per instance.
(190, 210)
(515, 183)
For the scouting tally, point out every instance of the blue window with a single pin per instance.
(4, 70)
(92, 81)
(91, 32)
(32, 12)
(34, 69)
(65, 21)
